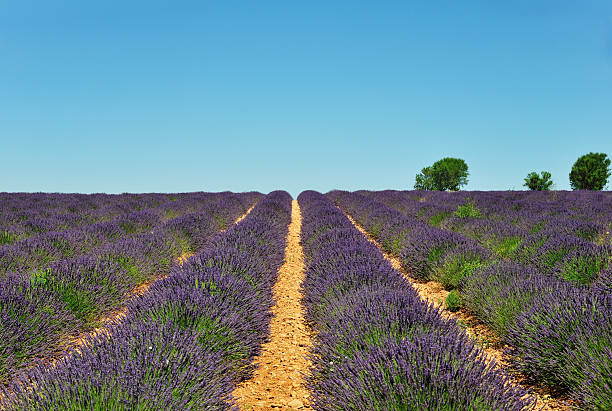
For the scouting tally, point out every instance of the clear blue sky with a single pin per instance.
(140, 96)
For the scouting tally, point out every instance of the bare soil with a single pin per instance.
(278, 381)
(242, 217)
(434, 292)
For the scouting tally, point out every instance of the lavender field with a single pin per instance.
(165, 301)
(535, 267)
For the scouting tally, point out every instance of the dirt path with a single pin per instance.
(278, 380)
(242, 217)
(487, 340)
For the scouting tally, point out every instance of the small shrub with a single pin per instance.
(469, 209)
(536, 227)
(507, 247)
(7, 238)
(129, 265)
(170, 214)
(437, 219)
(537, 183)
(453, 301)
(582, 269)
(435, 254)
(455, 268)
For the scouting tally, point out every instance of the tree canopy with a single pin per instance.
(590, 172)
(535, 182)
(445, 174)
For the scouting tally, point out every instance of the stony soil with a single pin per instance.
(278, 380)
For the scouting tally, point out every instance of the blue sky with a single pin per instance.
(140, 96)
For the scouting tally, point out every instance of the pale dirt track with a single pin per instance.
(278, 380)
(433, 292)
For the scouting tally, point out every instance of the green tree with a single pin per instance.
(535, 182)
(446, 174)
(590, 172)
(424, 180)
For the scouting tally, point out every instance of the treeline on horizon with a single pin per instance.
(589, 172)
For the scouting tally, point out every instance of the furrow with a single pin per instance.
(278, 381)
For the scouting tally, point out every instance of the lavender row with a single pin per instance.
(37, 252)
(559, 332)
(583, 213)
(570, 238)
(378, 346)
(23, 215)
(28, 215)
(580, 214)
(41, 311)
(188, 341)
(426, 252)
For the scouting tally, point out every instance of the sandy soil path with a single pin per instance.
(487, 340)
(278, 381)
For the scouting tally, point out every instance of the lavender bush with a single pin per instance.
(378, 346)
(545, 287)
(61, 292)
(187, 342)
